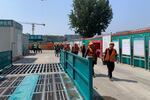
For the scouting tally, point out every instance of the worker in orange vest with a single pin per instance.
(110, 58)
(91, 52)
(67, 47)
(83, 49)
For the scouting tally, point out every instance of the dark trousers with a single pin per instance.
(83, 54)
(93, 69)
(110, 66)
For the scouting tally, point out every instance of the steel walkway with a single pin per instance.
(53, 83)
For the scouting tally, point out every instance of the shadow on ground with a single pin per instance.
(26, 60)
(117, 79)
(31, 54)
(97, 96)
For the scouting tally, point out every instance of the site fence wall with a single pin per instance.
(80, 71)
(134, 49)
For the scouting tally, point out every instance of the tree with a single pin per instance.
(90, 17)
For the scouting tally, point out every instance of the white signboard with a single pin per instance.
(106, 41)
(116, 46)
(139, 48)
(126, 47)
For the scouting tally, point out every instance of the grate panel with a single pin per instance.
(33, 68)
(61, 95)
(9, 91)
(38, 88)
(49, 85)
(37, 96)
(4, 98)
(49, 96)
(59, 86)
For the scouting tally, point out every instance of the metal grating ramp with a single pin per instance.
(50, 85)
(33, 69)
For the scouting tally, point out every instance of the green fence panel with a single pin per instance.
(5, 59)
(139, 62)
(126, 59)
(80, 71)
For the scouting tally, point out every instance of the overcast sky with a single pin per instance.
(128, 14)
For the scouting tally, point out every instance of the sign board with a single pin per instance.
(35, 38)
(116, 46)
(139, 48)
(126, 47)
(106, 41)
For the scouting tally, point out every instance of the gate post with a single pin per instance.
(65, 63)
(90, 61)
(11, 57)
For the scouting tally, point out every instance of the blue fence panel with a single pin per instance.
(80, 70)
(5, 59)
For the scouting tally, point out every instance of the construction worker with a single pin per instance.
(83, 49)
(61, 46)
(67, 47)
(110, 58)
(35, 48)
(91, 52)
(39, 48)
(75, 49)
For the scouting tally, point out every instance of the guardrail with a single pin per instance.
(5, 59)
(80, 71)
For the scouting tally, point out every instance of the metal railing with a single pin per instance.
(80, 71)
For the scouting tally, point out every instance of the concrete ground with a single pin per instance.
(129, 83)
(45, 57)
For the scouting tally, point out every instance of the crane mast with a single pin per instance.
(33, 26)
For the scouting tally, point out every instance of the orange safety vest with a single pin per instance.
(112, 57)
(91, 52)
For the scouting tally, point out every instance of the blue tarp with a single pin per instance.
(25, 89)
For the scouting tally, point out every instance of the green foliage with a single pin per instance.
(90, 17)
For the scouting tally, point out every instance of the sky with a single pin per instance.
(127, 15)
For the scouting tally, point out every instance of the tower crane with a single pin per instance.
(33, 26)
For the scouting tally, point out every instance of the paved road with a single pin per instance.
(129, 83)
(45, 57)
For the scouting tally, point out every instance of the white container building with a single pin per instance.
(11, 37)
